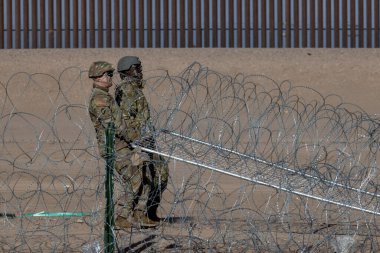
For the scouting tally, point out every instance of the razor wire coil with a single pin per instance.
(304, 140)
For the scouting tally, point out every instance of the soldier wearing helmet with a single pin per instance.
(104, 109)
(102, 106)
(130, 67)
(135, 109)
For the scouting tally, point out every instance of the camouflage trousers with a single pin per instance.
(159, 170)
(142, 184)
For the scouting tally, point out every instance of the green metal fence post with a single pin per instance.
(109, 240)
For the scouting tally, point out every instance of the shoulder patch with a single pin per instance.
(101, 101)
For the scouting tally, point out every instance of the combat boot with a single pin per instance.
(154, 217)
(152, 214)
(143, 220)
(123, 223)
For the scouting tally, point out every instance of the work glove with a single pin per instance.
(139, 157)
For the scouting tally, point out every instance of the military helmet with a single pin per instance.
(98, 68)
(126, 62)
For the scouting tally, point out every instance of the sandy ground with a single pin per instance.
(352, 74)
(236, 211)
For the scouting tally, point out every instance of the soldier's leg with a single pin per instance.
(137, 193)
(131, 180)
(141, 211)
(144, 189)
(159, 171)
(124, 207)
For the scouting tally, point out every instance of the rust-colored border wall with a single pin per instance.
(177, 23)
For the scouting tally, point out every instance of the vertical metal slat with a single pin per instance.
(9, 24)
(328, 23)
(51, 24)
(117, 23)
(149, 23)
(215, 23)
(320, 23)
(75, 24)
(2, 16)
(231, 28)
(18, 24)
(166, 23)
(182, 24)
(304, 23)
(34, 24)
(361, 24)
(223, 23)
(377, 23)
(239, 20)
(271, 23)
(190, 23)
(296, 24)
(125, 14)
(369, 23)
(288, 24)
(92, 24)
(280, 24)
(67, 24)
(132, 13)
(198, 21)
(312, 23)
(264, 23)
(353, 23)
(344, 24)
(336, 24)
(108, 24)
(158, 23)
(26, 23)
(206, 23)
(174, 23)
(141, 24)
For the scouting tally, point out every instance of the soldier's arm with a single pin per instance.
(145, 111)
(135, 109)
(100, 114)
(124, 97)
(146, 129)
(108, 111)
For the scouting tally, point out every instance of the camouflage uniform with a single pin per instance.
(103, 109)
(136, 114)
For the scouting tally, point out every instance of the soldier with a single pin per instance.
(103, 109)
(134, 106)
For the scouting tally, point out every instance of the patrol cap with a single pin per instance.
(126, 62)
(98, 68)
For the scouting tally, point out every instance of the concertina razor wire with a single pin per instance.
(255, 165)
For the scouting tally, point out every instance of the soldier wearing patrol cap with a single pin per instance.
(103, 109)
(134, 106)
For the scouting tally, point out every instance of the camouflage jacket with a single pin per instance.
(135, 109)
(103, 109)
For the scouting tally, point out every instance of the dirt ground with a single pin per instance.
(352, 74)
(36, 178)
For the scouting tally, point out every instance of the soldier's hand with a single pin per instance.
(139, 157)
